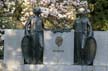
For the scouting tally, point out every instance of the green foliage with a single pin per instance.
(99, 14)
(7, 22)
(63, 23)
(10, 16)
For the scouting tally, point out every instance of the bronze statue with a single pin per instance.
(34, 34)
(83, 30)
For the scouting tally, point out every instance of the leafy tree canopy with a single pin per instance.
(99, 14)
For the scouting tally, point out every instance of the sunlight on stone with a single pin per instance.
(31, 66)
(48, 35)
(9, 48)
(19, 50)
(13, 53)
(11, 32)
(12, 64)
(40, 67)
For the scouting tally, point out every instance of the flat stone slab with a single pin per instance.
(61, 67)
(56, 67)
(58, 47)
(12, 46)
(12, 50)
(51, 68)
(60, 57)
(102, 48)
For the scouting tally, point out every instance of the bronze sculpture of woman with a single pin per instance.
(33, 52)
(83, 29)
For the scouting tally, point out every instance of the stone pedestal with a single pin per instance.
(12, 49)
(55, 53)
(55, 58)
(102, 48)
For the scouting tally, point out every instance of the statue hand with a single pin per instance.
(90, 34)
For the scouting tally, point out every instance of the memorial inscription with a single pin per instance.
(58, 47)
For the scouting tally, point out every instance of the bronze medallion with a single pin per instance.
(59, 41)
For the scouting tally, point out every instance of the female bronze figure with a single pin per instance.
(83, 31)
(34, 33)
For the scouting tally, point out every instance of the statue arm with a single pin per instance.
(43, 25)
(28, 25)
(74, 24)
(90, 29)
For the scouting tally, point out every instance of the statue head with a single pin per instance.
(37, 11)
(82, 10)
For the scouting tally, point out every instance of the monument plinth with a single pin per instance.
(58, 47)
(58, 52)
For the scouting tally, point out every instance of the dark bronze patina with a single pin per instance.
(32, 43)
(84, 53)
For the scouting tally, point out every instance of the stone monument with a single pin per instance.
(13, 59)
(58, 53)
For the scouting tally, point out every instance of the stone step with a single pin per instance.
(58, 67)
